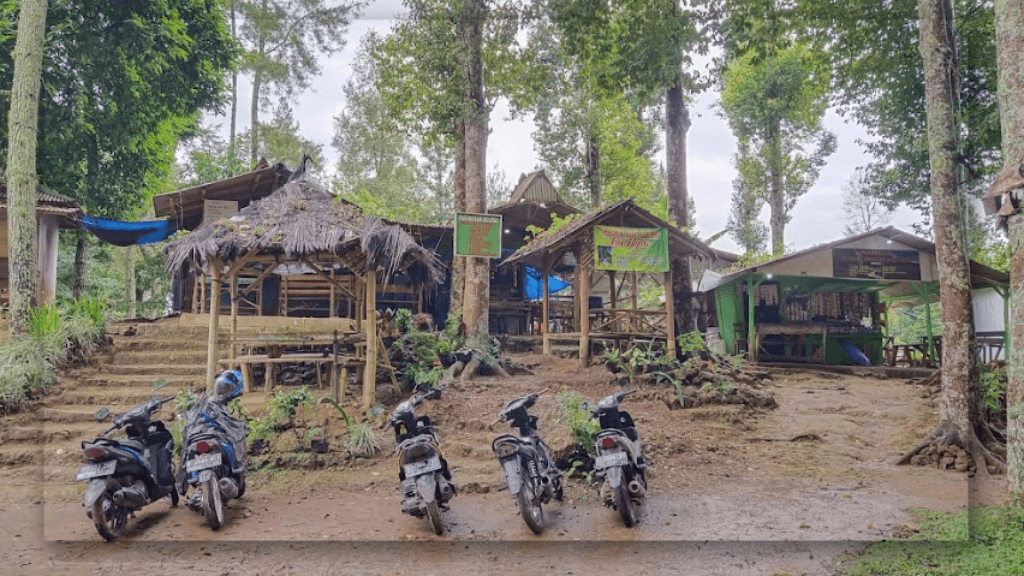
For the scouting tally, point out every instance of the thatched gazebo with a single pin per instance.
(302, 224)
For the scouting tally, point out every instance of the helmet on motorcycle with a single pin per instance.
(228, 384)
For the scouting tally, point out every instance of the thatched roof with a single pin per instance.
(301, 220)
(622, 213)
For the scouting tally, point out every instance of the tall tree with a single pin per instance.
(435, 177)
(744, 225)
(960, 406)
(283, 39)
(121, 82)
(775, 107)
(1009, 28)
(23, 122)
(864, 211)
(376, 164)
(442, 68)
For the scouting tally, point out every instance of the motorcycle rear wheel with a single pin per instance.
(624, 504)
(434, 516)
(109, 518)
(213, 505)
(529, 505)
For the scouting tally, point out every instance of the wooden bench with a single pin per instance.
(308, 293)
(343, 363)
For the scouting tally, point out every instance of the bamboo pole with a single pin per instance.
(370, 373)
(234, 315)
(584, 265)
(670, 316)
(212, 352)
(545, 316)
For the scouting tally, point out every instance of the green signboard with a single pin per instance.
(631, 249)
(478, 235)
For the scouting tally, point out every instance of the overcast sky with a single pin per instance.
(817, 218)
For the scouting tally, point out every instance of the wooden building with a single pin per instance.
(827, 304)
(53, 212)
(607, 304)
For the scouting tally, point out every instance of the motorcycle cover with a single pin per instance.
(209, 418)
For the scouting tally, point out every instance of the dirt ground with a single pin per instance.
(730, 492)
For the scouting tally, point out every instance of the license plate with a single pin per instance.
(611, 459)
(93, 470)
(422, 467)
(202, 462)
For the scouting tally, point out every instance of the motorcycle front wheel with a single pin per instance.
(109, 518)
(625, 505)
(213, 504)
(434, 516)
(529, 505)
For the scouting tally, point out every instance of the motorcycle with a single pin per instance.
(424, 476)
(213, 459)
(124, 475)
(619, 459)
(531, 475)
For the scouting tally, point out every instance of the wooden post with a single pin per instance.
(212, 352)
(633, 319)
(202, 294)
(370, 373)
(360, 303)
(234, 315)
(670, 316)
(195, 293)
(584, 264)
(751, 337)
(334, 301)
(545, 316)
(613, 298)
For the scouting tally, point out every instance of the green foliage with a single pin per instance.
(577, 418)
(976, 542)
(278, 412)
(121, 82)
(775, 107)
(419, 352)
(362, 439)
(313, 433)
(993, 387)
(691, 343)
(185, 400)
(908, 324)
(721, 383)
(348, 420)
(403, 320)
(28, 363)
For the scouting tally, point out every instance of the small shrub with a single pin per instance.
(362, 439)
(691, 343)
(577, 418)
(403, 320)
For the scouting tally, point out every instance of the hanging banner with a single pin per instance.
(877, 264)
(478, 235)
(631, 249)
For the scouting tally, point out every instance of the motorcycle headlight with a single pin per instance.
(505, 449)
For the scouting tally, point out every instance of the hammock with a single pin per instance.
(129, 233)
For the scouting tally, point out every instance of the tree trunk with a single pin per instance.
(254, 117)
(459, 263)
(960, 376)
(594, 171)
(129, 282)
(22, 126)
(477, 295)
(1009, 28)
(678, 120)
(81, 256)
(234, 97)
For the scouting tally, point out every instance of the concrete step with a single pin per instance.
(142, 383)
(134, 343)
(101, 396)
(157, 357)
(20, 455)
(76, 414)
(155, 370)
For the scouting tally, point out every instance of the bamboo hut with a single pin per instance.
(605, 301)
(301, 224)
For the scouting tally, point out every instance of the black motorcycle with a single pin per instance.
(124, 475)
(213, 453)
(619, 459)
(424, 476)
(531, 475)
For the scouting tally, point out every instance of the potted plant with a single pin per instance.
(446, 350)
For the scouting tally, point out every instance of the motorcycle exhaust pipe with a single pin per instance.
(545, 480)
(228, 488)
(130, 497)
(636, 489)
(446, 490)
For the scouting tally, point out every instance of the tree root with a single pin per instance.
(471, 369)
(946, 434)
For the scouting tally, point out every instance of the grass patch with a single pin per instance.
(979, 542)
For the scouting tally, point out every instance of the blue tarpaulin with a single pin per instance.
(535, 287)
(129, 233)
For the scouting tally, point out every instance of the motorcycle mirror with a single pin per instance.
(158, 384)
(101, 414)
(433, 394)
